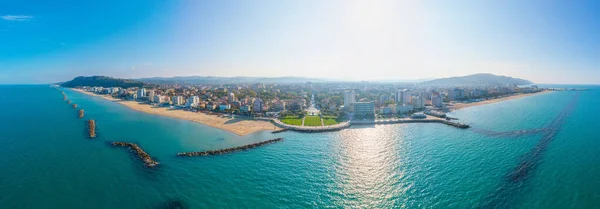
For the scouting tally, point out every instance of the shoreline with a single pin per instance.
(457, 106)
(240, 125)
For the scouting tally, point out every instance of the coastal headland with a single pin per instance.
(239, 125)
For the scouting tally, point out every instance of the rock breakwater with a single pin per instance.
(92, 128)
(228, 150)
(148, 161)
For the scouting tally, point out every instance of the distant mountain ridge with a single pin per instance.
(103, 81)
(482, 79)
(224, 80)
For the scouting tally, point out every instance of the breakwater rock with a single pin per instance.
(228, 150)
(148, 161)
(68, 101)
(395, 121)
(64, 95)
(92, 128)
(279, 131)
(74, 106)
(81, 113)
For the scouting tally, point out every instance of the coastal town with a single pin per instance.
(308, 106)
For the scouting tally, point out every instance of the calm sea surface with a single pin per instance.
(46, 161)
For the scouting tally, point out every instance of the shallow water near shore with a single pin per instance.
(46, 160)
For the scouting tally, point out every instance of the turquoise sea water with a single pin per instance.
(46, 161)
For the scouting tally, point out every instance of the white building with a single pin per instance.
(177, 100)
(231, 97)
(404, 109)
(258, 105)
(364, 108)
(158, 99)
(403, 96)
(141, 93)
(349, 99)
(418, 102)
(150, 94)
(193, 101)
(436, 101)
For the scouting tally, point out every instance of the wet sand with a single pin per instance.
(240, 125)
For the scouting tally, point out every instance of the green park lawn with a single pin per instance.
(312, 121)
(292, 120)
(330, 120)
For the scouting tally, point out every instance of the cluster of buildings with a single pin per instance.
(403, 102)
(211, 98)
(357, 99)
(410, 100)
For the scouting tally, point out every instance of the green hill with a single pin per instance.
(481, 79)
(103, 81)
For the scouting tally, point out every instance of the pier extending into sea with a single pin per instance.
(229, 150)
(148, 161)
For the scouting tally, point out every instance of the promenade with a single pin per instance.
(335, 127)
(344, 125)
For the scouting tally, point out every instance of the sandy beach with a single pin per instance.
(491, 101)
(239, 125)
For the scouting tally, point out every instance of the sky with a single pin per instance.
(544, 41)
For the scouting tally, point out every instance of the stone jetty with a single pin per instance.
(279, 131)
(74, 106)
(228, 150)
(148, 161)
(92, 128)
(392, 121)
(81, 113)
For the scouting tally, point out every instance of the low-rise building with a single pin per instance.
(390, 109)
(404, 109)
(245, 108)
(224, 106)
(364, 108)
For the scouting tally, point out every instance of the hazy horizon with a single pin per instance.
(544, 42)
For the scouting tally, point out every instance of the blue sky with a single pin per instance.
(543, 41)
